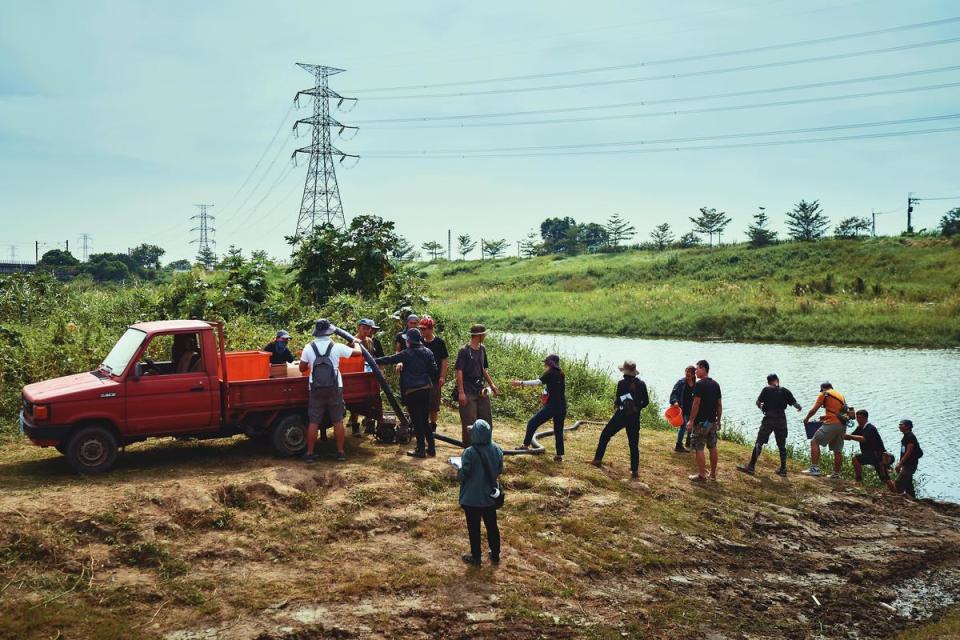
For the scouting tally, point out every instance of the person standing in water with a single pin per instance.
(555, 404)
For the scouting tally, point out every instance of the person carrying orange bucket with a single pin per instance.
(681, 400)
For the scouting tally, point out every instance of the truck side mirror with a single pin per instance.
(137, 371)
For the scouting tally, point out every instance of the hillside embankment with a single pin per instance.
(219, 539)
(898, 292)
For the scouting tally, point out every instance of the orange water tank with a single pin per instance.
(248, 365)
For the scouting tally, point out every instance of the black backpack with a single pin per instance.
(324, 374)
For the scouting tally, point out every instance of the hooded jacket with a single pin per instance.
(419, 367)
(475, 487)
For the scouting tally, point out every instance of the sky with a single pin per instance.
(116, 118)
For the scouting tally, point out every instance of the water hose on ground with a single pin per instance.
(535, 447)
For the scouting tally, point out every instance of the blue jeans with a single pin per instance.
(682, 431)
(619, 421)
(548, 412)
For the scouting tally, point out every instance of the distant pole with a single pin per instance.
(910, 202)
(873, 226)
(13, 253)
(449, 245)
(85, 239)
(36, 251)
(518, 248)
(481, 249)
(67, 244)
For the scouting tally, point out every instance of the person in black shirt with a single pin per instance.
(441, 356)
(279, 349)
(682, 396)
(704, 421)
(555, 406)
(472, 373)
(872, 450)
(910, 454)
(416, 381)
(773, 401)
(631, 398)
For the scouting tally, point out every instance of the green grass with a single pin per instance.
(883, 291)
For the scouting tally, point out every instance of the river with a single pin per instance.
(919, 384)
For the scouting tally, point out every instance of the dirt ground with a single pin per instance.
(219, 539)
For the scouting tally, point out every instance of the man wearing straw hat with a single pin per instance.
(474, 384)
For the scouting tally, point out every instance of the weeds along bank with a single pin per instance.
(50, 329)
(886, 291)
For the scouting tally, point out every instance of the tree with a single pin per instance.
(559, 235)
(434, 248)
(465, 245)
(950, 222)
(689, 240)
(710, 221)
(403, 251)
(232, 259)
(206, 258)
(529, 246)
(147, 256)
(807, 221)
(758, 233)
(662, 236)
(619, 230)
(106, 267)
(179, 265)
(851, 227)
(590, 236)
(493, 249)
(58, 258)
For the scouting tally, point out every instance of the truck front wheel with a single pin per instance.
(92, 450)
(289, 435)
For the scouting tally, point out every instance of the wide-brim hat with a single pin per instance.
(629, 368)
(478, 330)
(323, 328)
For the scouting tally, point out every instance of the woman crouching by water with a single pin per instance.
(480, 466)
(555, 406)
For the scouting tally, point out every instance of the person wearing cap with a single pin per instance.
(325, 406)
(416, 384)
(630, 399)
(554, 403)
(366, 334)
(279, 349)
(773, 402)
(705, 414)
(412, 321)
(438, 347)
(472, 373)
(833, 426)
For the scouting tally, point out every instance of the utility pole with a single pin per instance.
(85, 239)
(67, 246)
(321, 195)
(13, 253)
(873, 224)
(449, 245)
(204, 229)
(910, 202)
(518, 248)
(36, 251)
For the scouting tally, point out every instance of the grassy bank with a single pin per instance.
(883, 291)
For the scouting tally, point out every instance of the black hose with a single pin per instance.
(370, 360)
(535, 447)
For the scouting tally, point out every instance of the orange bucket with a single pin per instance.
(674, 415)
(353, 364)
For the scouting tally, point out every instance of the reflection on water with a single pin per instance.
(919, 384)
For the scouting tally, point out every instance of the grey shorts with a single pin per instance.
(831, 434)
(325, 406)
(704, 435)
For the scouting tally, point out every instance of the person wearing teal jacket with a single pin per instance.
(481, 464)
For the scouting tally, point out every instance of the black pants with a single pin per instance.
(548, 412)
(621, 420)
(418, 402)
(778, 427)
(904, 481)
(489, 517)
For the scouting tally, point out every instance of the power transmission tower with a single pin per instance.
(13, 253)
(85, 239)
(205, 242)
(321, 196)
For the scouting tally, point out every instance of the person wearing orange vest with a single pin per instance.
(833, 426)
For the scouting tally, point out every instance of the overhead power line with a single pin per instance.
(940, 198)
(674, 76)
(684, 140)
(665, 61)
(677, 112)
(655, 101)
(263, 154)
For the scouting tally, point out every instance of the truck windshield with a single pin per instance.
(119, 357)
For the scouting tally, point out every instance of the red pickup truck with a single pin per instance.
(172, 378)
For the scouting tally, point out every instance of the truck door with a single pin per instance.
(170, 390)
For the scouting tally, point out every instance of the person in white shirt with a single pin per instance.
(322, 359)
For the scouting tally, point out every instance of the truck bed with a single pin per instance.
(361, 393)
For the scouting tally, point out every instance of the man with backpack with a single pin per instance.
(631, 398)
(322, 359)
(833, 426)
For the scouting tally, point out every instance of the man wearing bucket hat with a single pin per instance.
(279, 349)
(631, 398)
(322, 359)
(472, 373)
(416, 384)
